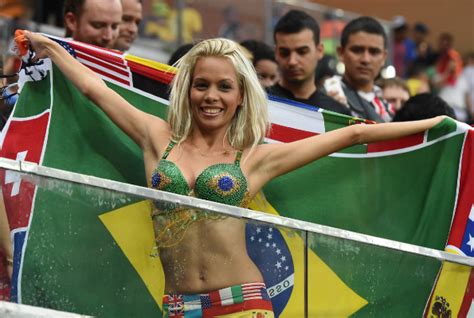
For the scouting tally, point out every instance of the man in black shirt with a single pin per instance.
(297, 51)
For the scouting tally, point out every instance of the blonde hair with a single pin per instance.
(250, 122)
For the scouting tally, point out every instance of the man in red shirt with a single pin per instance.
(449, 64)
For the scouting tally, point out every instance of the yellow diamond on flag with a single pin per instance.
(132, 229)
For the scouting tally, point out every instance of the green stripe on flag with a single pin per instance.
(443, 128)
(237, 294)
(333, 121)
(142, 102)
(37, 97)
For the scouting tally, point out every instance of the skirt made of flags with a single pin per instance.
(246, 300)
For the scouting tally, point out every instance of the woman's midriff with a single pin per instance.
(212, 255)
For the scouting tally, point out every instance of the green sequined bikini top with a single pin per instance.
(222, 182)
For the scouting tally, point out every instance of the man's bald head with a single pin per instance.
(93, 22)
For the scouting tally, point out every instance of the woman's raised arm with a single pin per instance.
(134, 122)
(272, 160)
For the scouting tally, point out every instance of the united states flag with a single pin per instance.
(108, 64)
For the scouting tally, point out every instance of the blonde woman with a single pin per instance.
(211, 147)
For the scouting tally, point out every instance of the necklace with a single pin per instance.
(214, 153)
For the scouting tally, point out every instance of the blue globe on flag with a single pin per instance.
(268, 249)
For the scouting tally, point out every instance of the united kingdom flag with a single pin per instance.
(174, 305)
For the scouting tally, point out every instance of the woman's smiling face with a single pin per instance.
(215, 93)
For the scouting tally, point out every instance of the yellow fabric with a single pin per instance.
(161, 31)
(132, 229)
(451, 285)
(250, 314)
(192, 25)
(156, 65)
(413, 86)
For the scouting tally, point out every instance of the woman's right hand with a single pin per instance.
(39, 44)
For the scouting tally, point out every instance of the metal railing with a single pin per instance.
(32, 169)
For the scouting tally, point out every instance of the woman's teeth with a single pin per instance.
(211, 110)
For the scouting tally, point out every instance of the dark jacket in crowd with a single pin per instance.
(318, 99)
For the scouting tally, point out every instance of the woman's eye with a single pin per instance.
(226, 87)
(200, 86)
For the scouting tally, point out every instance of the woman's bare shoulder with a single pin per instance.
(159, 136)
(252, 157)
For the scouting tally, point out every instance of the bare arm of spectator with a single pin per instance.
(6, 246)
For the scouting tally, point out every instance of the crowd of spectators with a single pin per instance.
(437, 69)
(297, 66)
